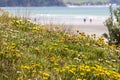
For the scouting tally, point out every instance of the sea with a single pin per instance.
(61, 15)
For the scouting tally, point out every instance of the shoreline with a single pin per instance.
(97, 28)
(87, 6)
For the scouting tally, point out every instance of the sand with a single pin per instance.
(97, 28)
(94, 27)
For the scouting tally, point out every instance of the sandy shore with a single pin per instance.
(94, 27)
(97, 29)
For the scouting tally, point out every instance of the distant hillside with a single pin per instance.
(4, 3)
(91, 2)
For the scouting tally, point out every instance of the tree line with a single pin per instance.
(91, 2)
(4, 3)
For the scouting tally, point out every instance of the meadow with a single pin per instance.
(29, 51)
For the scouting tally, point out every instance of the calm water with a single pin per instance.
(98, 11)
(61, 14)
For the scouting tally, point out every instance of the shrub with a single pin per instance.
(113, 26)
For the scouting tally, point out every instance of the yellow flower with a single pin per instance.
(11, 47)
(56, 69)
(62, 70)
(36, 49)
(88, 70)
(45, 78)
(34, 71)
(40, 72)
(52, 59)
(72, 71)
(65, 49)
(79, 79)
(36, 65)
(42, 28)
(26, 67)
(84, 57)
(82, 73)
(46, 74)
(33, 30)
(67, 67)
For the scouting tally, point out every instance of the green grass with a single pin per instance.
(31, 51)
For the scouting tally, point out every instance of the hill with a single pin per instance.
(24, 3)
(4, 3)
(91, 2)
(37, 52)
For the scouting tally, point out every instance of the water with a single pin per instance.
(61, 14)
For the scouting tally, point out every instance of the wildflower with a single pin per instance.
(67, 67)
(88, 70)
(34, 71)
(45, 78)
(36, 65)
(11, 47)
(61, 40)
(84, 57)
(65, 49)
(26, 67)
(52, 59)
(33, 30)
(73, 65)
(56, 64)
(43, 28)
(62, 70)
(46, 74)
(72, 70)
(40, 72)
(56, 69)
(79, 79)
(36, 49)
(82, 74)
(112, 47)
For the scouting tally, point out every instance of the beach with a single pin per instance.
(94, 27)
(99, 30)
(71, 18)
(90, 28)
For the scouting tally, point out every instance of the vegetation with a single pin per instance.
(31, 3)
(54, 2)
(35, 52)
(91, 2)
(113, 27)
